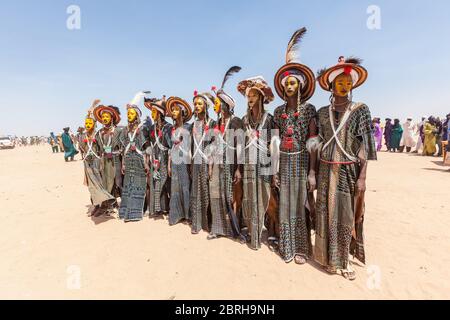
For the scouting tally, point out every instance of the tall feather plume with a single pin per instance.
(209, 95)
(229, 73)
(138, 97)
(354, 60)
(95, 103)
(291, 53)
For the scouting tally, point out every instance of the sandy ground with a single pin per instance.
(50, 249)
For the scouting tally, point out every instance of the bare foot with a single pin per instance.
(211, 236)
(299, 259)
(348, 274)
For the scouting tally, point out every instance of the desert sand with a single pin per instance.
(51, 249)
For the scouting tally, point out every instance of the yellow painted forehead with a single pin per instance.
(343, 77)
(292, 78)
(199, 99)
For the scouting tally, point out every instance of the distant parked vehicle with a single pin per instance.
(7, 143)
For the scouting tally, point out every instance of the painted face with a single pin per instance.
(253, 98)
(106, 118)
(292, 85)
(342, 85)
(199, 105)
(89, 124)
(155, 114)
(131, 115)
(217, 105)
(224, 108)
(176, 112)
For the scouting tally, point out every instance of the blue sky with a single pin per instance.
(49, 75)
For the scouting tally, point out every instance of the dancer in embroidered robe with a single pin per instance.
(296, 121)
(258, 169)
(101, 199)
(348, 144)
(202, 129)
(131, 141)
(179, 160)
(109, 116)
(226, 174)
(158, 158)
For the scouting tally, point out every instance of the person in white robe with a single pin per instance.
(407, 140)
(418, 135)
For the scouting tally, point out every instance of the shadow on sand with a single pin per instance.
(436, 169)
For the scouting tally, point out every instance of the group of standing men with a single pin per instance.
(430, 135)
(233, 176)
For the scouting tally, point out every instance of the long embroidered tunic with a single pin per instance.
(201, 139)
(339, 171)
(258, 173)
(222, 189)
(118, 159)
(105, 138)
(180, 180)
(93, 177)
(135, 180)
(159, 181)
(295, 226)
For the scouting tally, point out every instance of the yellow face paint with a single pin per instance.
(199, 105)
(89, 124)
(154, 114)
(176, 112)
(131, 115)
(291, 86)
(106, 118)
(217, 105)
(342, 85)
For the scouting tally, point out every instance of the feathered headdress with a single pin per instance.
(293, 68)
(351, 66)
(221, 93)
(233, 70)
(158, 104)
(95, 103)
(291, 52)
(90, 113)
(208, 97)
(136, 100)
(112, 110)
(351, 60)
